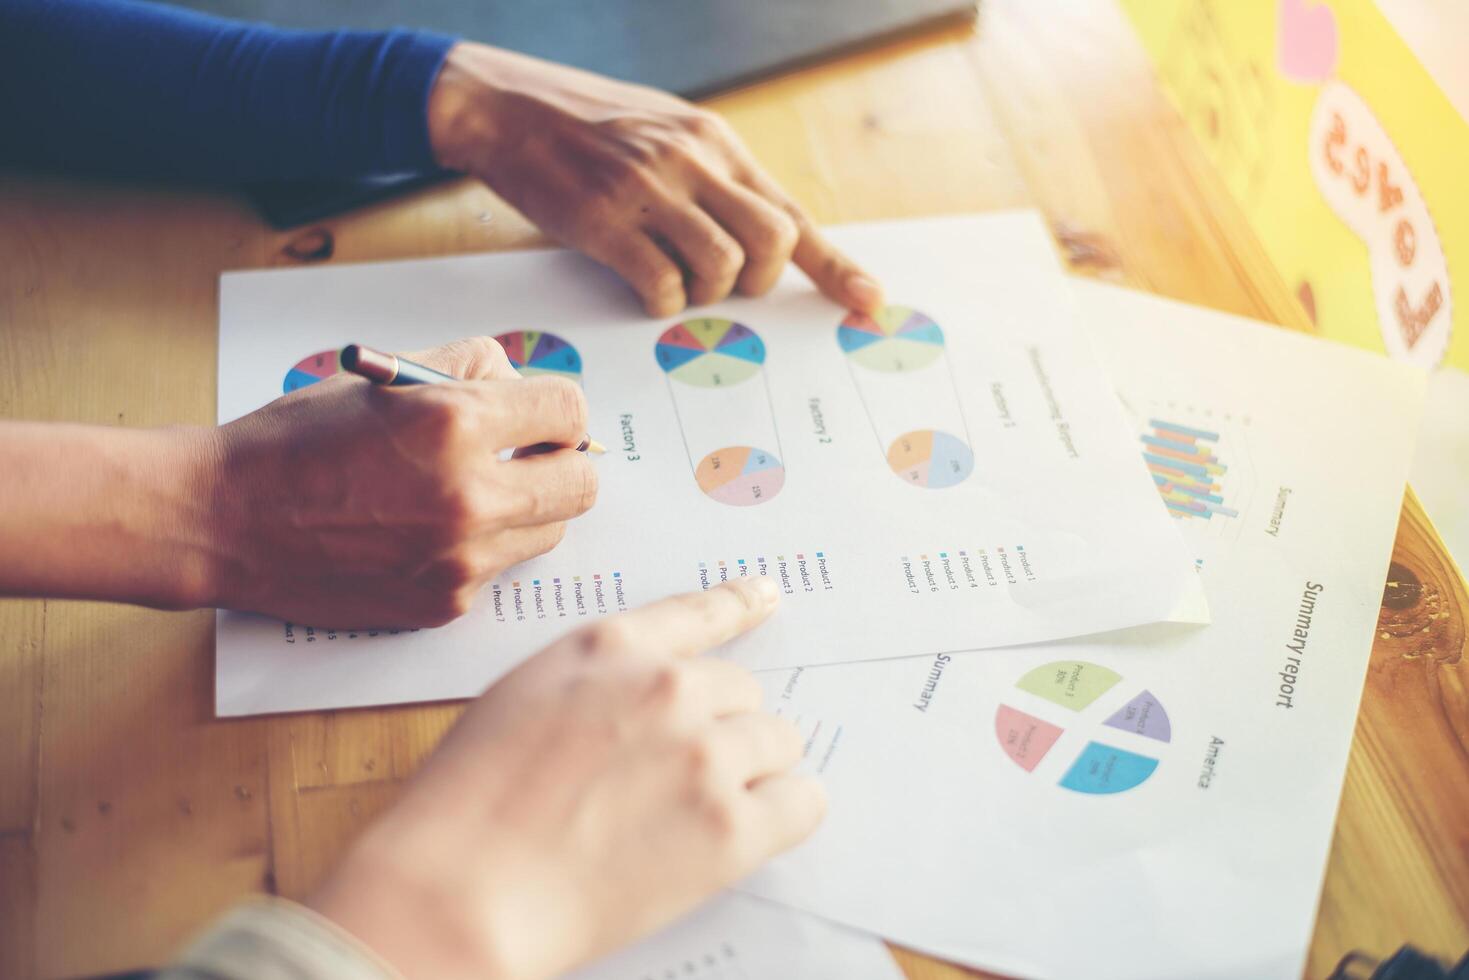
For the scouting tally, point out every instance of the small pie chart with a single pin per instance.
(710, 353)
(310, 370)
(740, 475)
(533, 352)
(930, 458)
(896, 338)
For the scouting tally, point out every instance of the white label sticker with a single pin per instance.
(1368, 185)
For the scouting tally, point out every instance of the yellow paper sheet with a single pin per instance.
(1348, 159)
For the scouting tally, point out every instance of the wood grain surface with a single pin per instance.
(129, 816)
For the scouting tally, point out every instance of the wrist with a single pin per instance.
(171, 531)
(197, 528)
(394, 907)
(461, 123)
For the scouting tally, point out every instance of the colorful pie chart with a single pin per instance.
(930, 458)
(533, 352)
(740, 475)
(310, 370)
(897, 338)
(710, 353)
(1095, 705)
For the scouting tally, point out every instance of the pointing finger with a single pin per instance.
(683, 625)
(834, 274)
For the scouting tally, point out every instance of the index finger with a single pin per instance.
(792, 805)
(533, 411)
(833, 273)
(473, 358)
(684, 625)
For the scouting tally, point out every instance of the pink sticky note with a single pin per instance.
(1307, 41)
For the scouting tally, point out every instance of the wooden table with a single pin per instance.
(129, 816)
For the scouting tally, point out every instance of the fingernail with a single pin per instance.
(866, 292)
(765, 589)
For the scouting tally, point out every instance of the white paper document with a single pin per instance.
(954, 473)
(1158, 803)
(735, 937)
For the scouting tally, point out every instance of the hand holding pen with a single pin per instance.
(353, 506)
(390, 369)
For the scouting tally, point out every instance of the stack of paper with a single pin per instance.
(939, 483)
(1159, 802)
(956, 476)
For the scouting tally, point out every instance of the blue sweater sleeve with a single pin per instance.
(134, 88)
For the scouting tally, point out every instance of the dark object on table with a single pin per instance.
(1408, 963)
(692, 47)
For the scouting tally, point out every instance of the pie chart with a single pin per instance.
(710, 353)
(930, 458)
(532, 352)
(740, 475)
(310, 370)
(897, 338)
(1104, 737)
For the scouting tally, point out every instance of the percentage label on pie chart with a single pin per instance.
(533, 352)
(310, 370)
(896, 338)
(740, 475)
(1098, 762)
(710, 353)
(930, 458)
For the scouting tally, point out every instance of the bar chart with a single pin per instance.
(1187, 469)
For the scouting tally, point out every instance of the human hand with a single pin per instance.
(351, 505)
(588, 798)
(659, 190)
